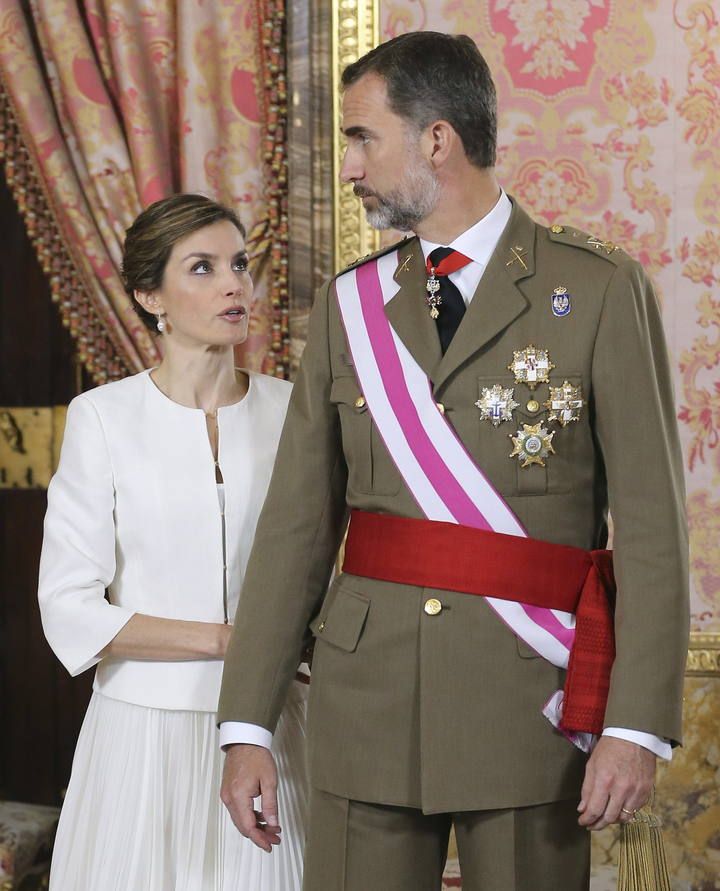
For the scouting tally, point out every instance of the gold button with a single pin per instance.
(440, 407)
(433, 606)
(321, 627)
(533, 406)
(557, 230)
(360, 402)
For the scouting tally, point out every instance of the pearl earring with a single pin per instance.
(160, 324)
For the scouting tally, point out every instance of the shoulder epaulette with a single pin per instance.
(593, 243)
(379, 253)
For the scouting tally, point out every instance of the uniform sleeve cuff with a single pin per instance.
(232, 732)
(660, 747)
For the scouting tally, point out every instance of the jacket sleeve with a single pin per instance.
(296, 542)
(77, 562)
(637, 435)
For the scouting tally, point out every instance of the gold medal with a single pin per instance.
(434, 298)
(532, 445)
(531, 366)
(564, 404)
(496, 404)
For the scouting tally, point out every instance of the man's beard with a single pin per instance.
(407, 205)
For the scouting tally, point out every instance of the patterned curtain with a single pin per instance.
(106, 106)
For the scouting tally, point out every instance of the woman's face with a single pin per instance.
(206, 291)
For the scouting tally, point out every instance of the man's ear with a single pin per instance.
(442, 139)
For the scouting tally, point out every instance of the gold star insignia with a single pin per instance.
(532, 444)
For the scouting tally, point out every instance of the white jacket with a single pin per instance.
(133, 508)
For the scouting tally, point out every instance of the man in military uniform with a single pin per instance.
(544, 354)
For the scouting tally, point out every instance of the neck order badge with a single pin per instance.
(442, 292)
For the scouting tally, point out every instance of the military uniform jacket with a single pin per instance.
(443, 712)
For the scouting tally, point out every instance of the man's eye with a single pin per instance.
(201, 266)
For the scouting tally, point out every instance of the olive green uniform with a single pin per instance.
(442, 713)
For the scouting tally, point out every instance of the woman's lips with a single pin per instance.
(233, 314)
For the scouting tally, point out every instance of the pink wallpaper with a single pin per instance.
(609, 121)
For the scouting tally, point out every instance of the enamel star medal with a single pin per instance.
(532, 445)
(496, 404)
(531, 366)
(564, 404)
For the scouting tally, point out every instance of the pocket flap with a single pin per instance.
(525, 650)
(344, 389)
(344, 621)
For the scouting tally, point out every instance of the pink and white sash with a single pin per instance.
(443, 478)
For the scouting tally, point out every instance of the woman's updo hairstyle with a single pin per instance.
(150, 240)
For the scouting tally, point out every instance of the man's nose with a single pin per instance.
(351, 170)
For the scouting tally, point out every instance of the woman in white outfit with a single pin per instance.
(157, 494)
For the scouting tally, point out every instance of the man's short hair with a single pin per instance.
(432, 76)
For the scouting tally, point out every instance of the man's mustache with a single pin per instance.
(362, 193)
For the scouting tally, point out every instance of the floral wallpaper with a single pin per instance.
(610, 121)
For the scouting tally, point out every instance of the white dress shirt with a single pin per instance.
(134, 509)
(477, 243)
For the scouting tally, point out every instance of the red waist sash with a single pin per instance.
(431, 554)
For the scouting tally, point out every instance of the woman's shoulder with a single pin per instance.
(271, 389)
(113, 396)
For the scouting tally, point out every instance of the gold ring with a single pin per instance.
(624, 810)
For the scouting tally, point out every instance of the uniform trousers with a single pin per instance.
(356, 846)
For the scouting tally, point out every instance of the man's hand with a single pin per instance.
(250, 772)
(618, 780)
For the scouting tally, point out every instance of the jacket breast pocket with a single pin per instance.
(370, 468)
(562, 447)
(495, 440)
(341, 623)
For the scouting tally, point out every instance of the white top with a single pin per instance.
(133, 508)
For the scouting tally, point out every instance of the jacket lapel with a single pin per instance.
(497, 301)
(408, 312)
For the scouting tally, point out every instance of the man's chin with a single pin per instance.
(377, 219)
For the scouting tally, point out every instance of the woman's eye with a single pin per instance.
(201, 266)
(240, 265)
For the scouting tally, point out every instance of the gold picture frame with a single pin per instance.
(355, 31)
(703, 655)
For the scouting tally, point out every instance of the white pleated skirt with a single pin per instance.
(143, 812)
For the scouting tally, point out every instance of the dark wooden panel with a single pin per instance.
(42, 707)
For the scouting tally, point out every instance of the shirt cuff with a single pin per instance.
(660, 747)
(232, 732)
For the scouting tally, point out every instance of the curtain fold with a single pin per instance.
(107, 106)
